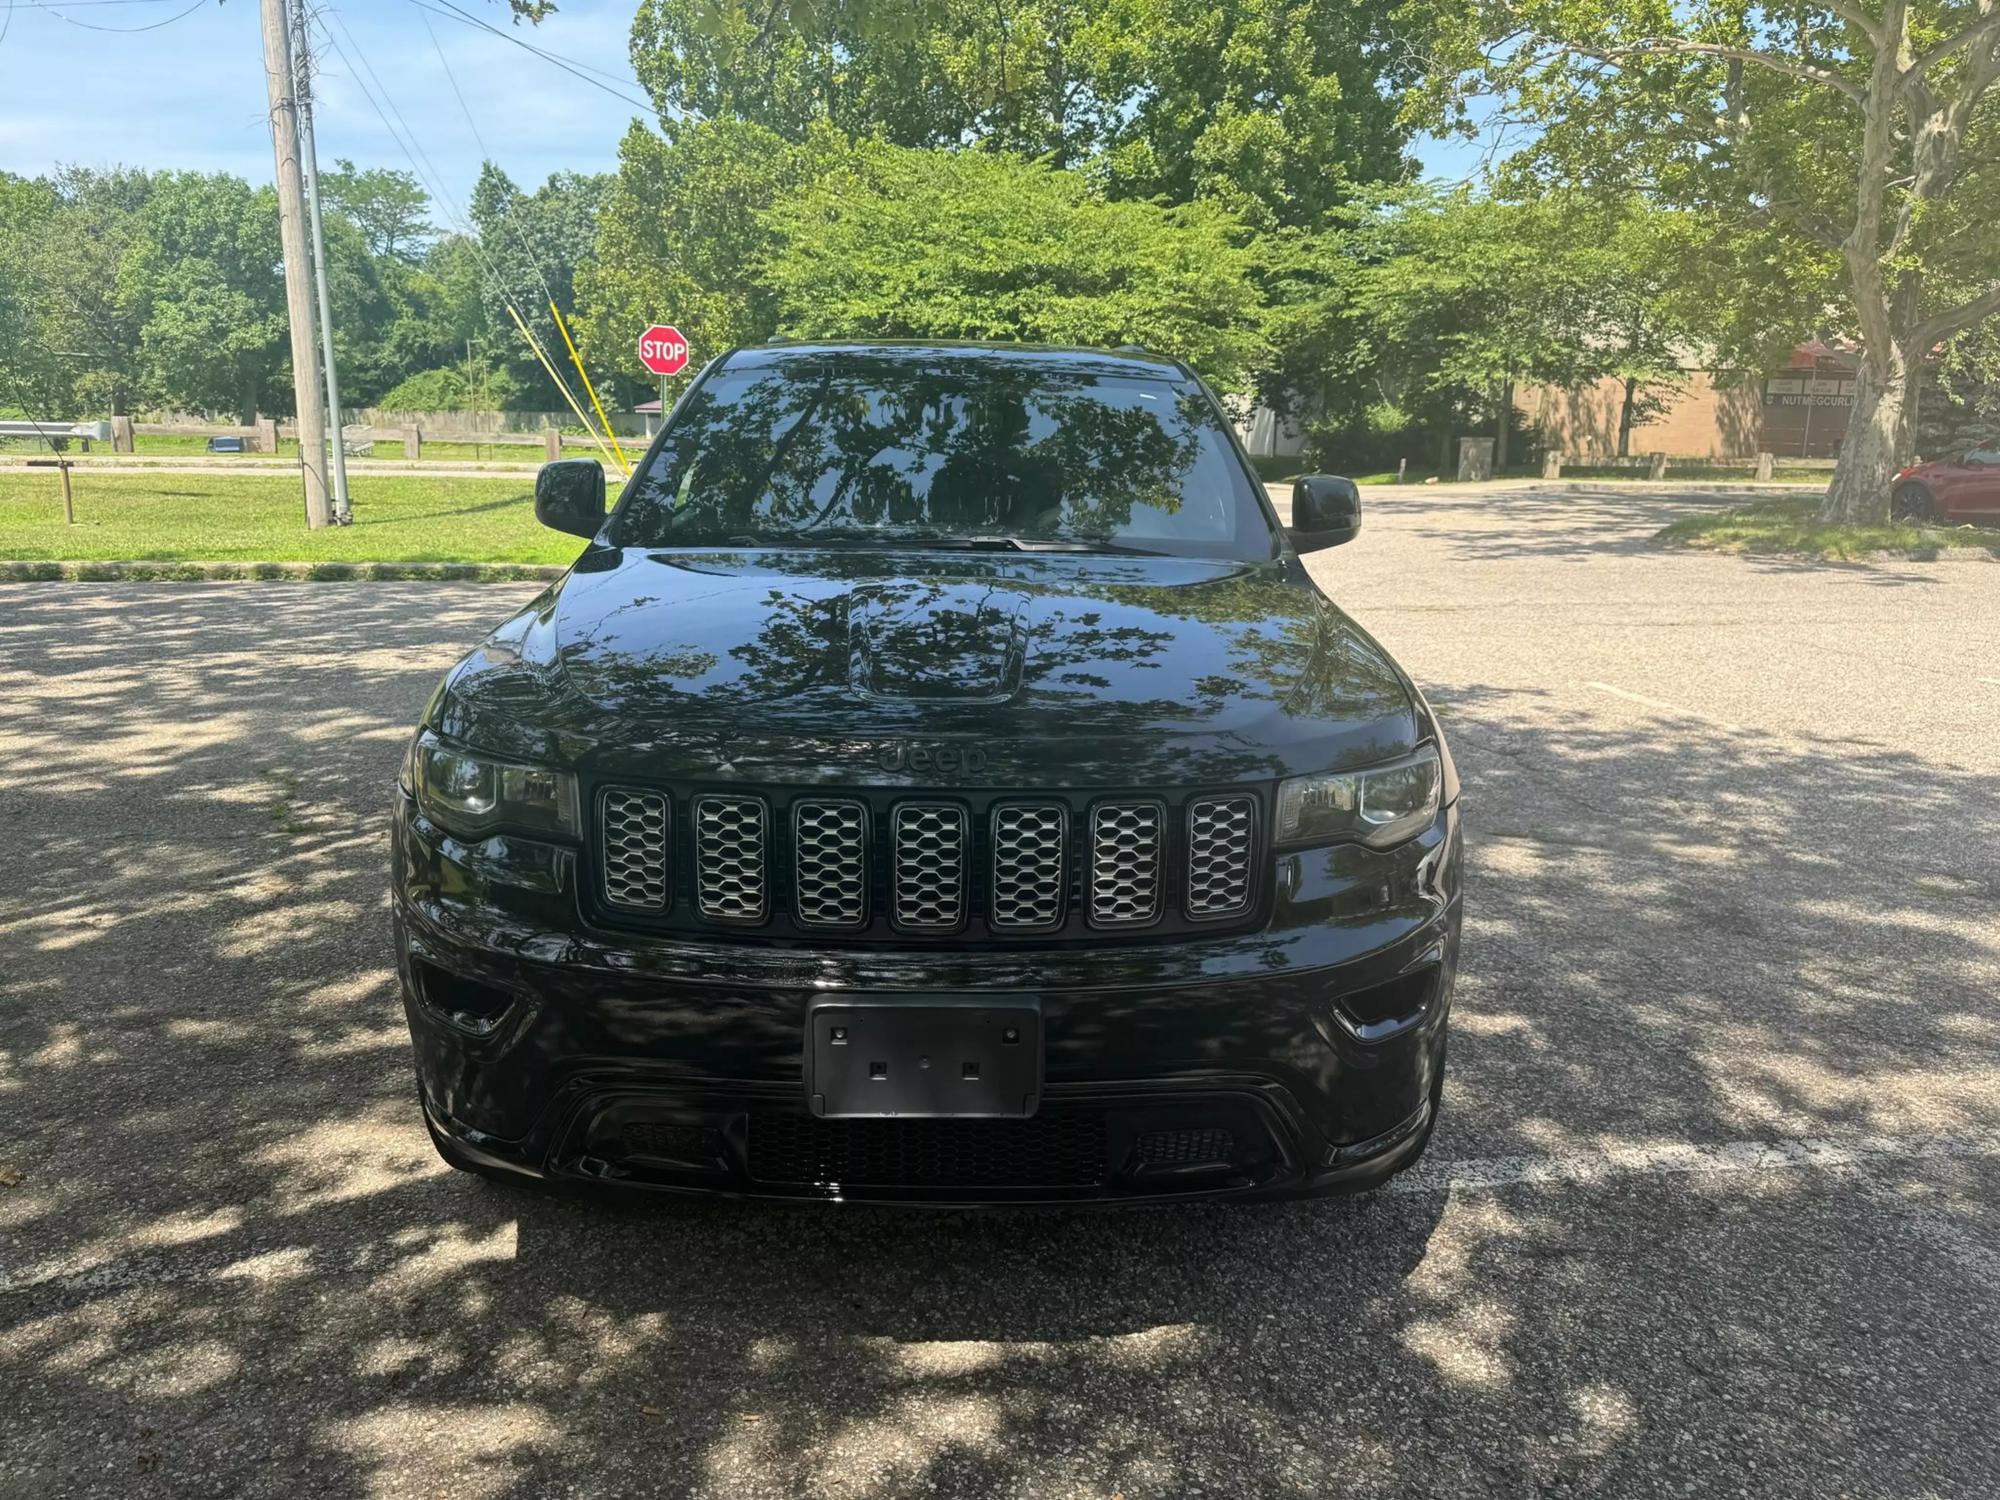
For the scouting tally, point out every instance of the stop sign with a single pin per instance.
(662, 349)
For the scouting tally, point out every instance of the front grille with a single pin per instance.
(729, 858)
(1030, 874)
(635, 849)
(1219, 846)
(930, 865)
(830, 859)
(1124, 863)
(1047, 1151)
(874, 864)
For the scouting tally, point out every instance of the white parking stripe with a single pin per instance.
(1662, 706)
(1442, 1175)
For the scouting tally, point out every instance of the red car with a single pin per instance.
(1961, 489)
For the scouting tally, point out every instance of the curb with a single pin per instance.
(281, 572)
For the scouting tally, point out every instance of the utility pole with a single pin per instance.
(343, 509)
(292, 238)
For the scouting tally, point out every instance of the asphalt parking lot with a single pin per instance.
(1714, 1208)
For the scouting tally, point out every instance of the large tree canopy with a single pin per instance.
(1854, 144)
(1275, 107)
(914, 244)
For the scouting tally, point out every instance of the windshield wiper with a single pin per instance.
(973, 541)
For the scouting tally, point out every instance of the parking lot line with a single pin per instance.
(1663, 706)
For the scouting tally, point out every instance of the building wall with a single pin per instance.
(1712, 416)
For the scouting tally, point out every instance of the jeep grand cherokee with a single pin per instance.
(938, 778)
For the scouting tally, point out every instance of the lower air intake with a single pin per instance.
(1051, 1151)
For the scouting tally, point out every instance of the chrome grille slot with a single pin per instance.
(730, 844)
(634, 825)
(929, 865)
(1125, 863)
(829, 843)
(1219, 832)
(1030, 867)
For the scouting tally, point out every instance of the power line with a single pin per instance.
(121, 30)
(459, 12)
(576, 69)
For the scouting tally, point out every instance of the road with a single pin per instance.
(1714, 1208)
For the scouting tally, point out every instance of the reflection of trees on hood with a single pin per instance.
(1034, 453)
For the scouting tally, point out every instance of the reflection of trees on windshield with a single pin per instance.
(1022, 451)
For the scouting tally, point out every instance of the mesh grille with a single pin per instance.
(1030, 871)
(1124, 863)
(729, 846)
(1219, 830)
(1045, 1151)
(830, 842)
(930, 865)
(635, 849)
(1182, 1148)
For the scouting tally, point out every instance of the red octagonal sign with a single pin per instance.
(662, 349)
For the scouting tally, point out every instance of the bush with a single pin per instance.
(446, 390)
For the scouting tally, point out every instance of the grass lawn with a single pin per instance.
(1792, 526)
(260, 517)
(171, 445)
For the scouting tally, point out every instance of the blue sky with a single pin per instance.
(191, 92)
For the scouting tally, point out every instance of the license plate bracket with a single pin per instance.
(925, 1056)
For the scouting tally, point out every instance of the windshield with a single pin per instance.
(886, 451)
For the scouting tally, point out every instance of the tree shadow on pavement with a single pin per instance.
(235, 1267)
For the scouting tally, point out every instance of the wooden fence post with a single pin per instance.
(551, 443)
(121, 435)
(413, 442)
(1656, 467)
(1552, 466)
(1766, 465)
(267, 435)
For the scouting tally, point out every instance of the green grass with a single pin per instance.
(173, 445)
(223, 517)
(1792, 527)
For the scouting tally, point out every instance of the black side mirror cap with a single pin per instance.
(1326, 511)
(569, 496)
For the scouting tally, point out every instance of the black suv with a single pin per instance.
(938, 779)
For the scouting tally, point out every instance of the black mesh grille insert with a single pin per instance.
(1183, 1147)
(1046, 1151)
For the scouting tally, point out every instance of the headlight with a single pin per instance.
(473, 793)
(1379, 806)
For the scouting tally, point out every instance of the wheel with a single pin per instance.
(1912, 502)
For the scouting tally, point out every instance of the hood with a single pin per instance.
(988, 668)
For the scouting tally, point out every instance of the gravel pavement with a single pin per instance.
(1714, 1208)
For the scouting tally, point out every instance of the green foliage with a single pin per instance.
(448, 389)
(903, 243)
(390, 208)
(1793, 527)
(1275, 108)
(682, 234)
(535, 243)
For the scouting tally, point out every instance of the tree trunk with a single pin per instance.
(1625, 416)
(1501, 426)
(1877, 441)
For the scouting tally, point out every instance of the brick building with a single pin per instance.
(1799, 411)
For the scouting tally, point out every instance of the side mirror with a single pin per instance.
(569, 496)
(1326, 511)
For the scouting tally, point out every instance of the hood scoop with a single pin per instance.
(927, 640)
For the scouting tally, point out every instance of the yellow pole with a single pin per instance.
(577, 360)
(546, 365)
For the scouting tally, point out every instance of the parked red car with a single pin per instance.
(1964, 488)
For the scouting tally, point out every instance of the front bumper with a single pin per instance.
(1304, 1057)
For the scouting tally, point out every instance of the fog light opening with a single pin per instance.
(466, 1003)
(1383, 1009)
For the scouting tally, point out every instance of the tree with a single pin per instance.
(967, 244)
(682, 235)
(535, 243)
(1857, 136)
(390, 208)
(204, 267)
(1276, 108)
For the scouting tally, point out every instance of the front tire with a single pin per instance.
(1912, 502)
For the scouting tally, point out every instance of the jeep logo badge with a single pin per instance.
(922, 760)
